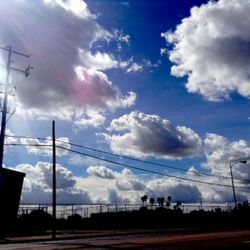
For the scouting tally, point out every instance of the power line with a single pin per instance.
(146, 170)
(28, 144)
(130, 158)
(148, 162)
(126, 165)
(29, 137)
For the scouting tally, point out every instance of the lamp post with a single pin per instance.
(231, 172)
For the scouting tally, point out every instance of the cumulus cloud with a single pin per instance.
(10, 137)
(37, 184)
(58, 34)
(98, 61)
(107, 186)
(101, 172)
(150, 135)
(211, 48)
(114, 198)
(123, 181)
(38, 147)
(77, 160)
(91, 118)
(220, 152)
(192, 171)
(128, 181)
(184, 192)
(222, 194)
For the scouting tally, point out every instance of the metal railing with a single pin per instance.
(85, 210)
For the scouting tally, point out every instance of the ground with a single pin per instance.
(171, 239)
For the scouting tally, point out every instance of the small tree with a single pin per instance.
(160, 201)
(152, 201)
(178, 205)
(168, 203)
(144, 199)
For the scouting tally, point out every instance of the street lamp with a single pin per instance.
(231, 172)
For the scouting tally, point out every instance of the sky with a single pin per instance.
(162, 86)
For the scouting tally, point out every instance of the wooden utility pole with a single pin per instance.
(6, 94)
(54, 180)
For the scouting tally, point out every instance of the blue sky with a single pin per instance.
(164, 81)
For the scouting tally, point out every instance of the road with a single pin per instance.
(235, 240)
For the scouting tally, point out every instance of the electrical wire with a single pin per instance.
(129, 166)
(133, 159)
(148, 162)
(29, 137)
(146, 170)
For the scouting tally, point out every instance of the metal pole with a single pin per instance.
(6, 93)
(54, 181)
(5, 103)
(231, 172)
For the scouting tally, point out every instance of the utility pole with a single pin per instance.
(54, 181)
(6, 93)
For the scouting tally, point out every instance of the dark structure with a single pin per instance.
(11, 183)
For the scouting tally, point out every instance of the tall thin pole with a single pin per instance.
(5, 103)
(232, 178)
(54, 181)
(6, 94)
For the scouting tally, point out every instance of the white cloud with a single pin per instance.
(128, 181)
(91, 118)
(10, 137)
(64, 177)
(37, 185)
(130, 66)
(78, 7)
(192, 171)
(61, 85)
(115, 198)
(126, 102)
(163, 51)
(149, 135)
(134, 67)
(211, 48)
(220, 152)
(101, 172)
(105, 185)
(98, 61)
(151, 65)
(163, 187)
(77, 160)
(121, 38)
(123, 181)
(91, 84)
